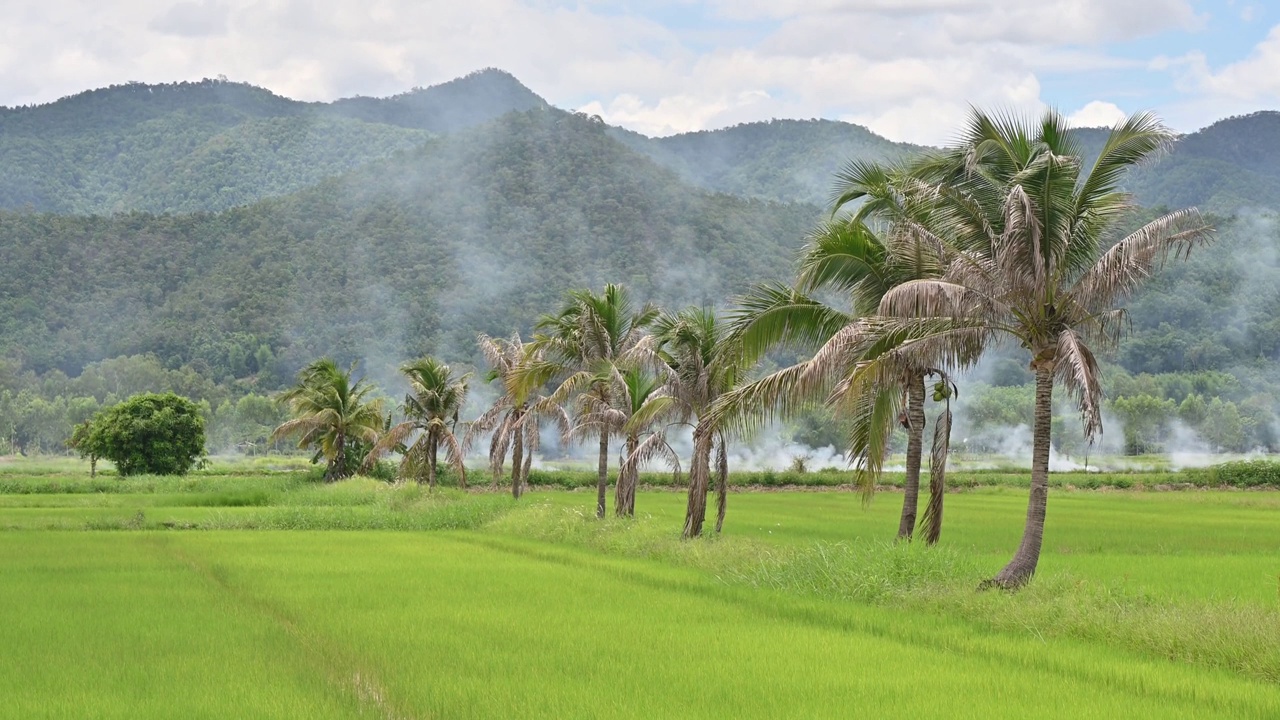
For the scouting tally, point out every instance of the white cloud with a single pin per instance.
(1257, 77)
(1097, 114)
(908, 69)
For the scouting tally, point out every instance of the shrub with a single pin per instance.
(1239, 473)
(149, 434)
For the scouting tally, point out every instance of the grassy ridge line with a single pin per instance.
(1233, 636)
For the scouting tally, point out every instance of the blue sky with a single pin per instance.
(907, 69)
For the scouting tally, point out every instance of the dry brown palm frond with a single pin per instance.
(1121, 269)
(1019, 245)
(931, 520)
(456, 457)
(749, 407)
(655, 445)
(939, 299)
(392, 438)
(1078, 371)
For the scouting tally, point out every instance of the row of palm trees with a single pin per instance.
(922, 267)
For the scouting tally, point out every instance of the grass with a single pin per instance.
(267, 595)
(336, 624)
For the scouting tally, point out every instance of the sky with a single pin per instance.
(907, 69)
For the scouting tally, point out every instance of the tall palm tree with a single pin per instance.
(431, 411)
(513, 418)
(590, 334)
(847, 257)
(330, 412)
(1040, 265)
(694, 344)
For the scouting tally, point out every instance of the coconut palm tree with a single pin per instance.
(513, 418)
(638, 406)
(693, 344)
(1041, 264)
(431, 411)
(330, 412)
(847, 258)
(580, 343)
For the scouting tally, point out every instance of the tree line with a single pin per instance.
(1007, 237)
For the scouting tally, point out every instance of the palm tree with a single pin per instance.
(513, 417)
(694, 344)
(431, 411)
(1040, 265)
(846, 257)
(638, 404)
(330, 412)
(590, 334)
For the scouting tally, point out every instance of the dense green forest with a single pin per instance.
(238, 235)
(214, 144)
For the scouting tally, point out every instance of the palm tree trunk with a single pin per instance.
(602, 480)
(915, 448)
(524, 470)
(431, 462)
(1023, 565)
(338, 465)
(624, 495)
(517, 462)
(699, 475)
(722, 484)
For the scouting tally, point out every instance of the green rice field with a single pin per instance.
(266, 595)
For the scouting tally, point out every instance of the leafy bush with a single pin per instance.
(148, 434)
(1239, 473)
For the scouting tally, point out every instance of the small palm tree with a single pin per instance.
(431, 411)
(693, 343)
(1039, 263)
(513, 418)
(590, 334)
(636, 411)
(330, 412)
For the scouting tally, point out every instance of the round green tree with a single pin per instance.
(150, 434)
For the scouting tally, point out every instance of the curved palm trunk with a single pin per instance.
(915, 448)
(517, 462)
(624, 496)
(1023, 565)
(602, 480)
(722, 485)
(699, 475)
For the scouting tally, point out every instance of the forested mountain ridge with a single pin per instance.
(213, 144)
(479, 231)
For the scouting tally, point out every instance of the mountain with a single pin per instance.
(1229, 165)
(787, 160)
(211, 145)
(478, 231)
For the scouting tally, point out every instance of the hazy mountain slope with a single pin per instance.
(475, 232)
(778, 160)
(213, 144)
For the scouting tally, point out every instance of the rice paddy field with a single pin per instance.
(259, 593)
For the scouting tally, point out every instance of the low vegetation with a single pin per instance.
(1150, 604)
